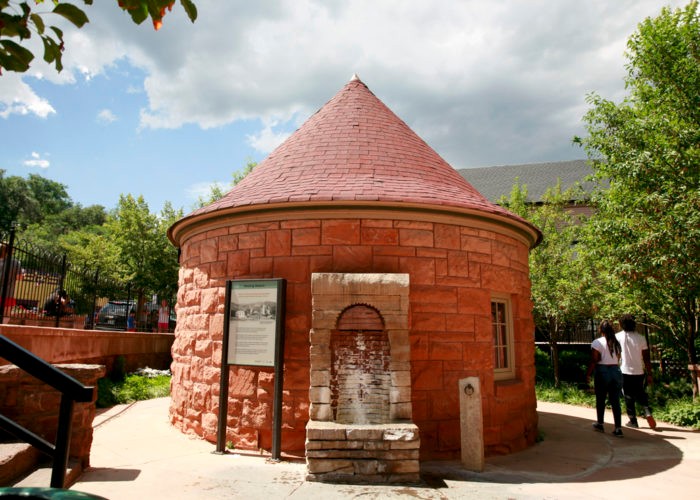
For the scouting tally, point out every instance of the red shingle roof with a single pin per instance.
(355, 149)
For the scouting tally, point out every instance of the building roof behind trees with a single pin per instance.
(497, 181)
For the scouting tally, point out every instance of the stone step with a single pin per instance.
(23, 466)
(40, 477)
(16, 461)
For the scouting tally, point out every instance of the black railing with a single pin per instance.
(71, 391)
(33, 280)
(661, 345)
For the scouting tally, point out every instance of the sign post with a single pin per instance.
(253, 336)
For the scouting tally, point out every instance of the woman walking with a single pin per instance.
(605, 360)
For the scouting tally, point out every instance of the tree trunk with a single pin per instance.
(691, 334)
(554, 349)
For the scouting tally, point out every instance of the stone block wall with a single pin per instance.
(35, 405)
(387, 453)
(454, 264)
(63, 345)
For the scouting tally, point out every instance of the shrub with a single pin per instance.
(543, 366)
(666, 389)
(134, 388)
(573, 365)
(683, 412)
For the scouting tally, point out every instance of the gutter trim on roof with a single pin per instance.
(192, 225)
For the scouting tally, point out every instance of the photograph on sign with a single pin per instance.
(252, 323)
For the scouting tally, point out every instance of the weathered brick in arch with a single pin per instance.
(360, 317)
(452, 268)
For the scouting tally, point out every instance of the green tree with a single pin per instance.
(19, 21)
(560, 279)
(14, 196)
(647, 149)
(166, 265)
(35, 200)
(94, 249)
(148, 261)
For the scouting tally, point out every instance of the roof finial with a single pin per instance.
(355, 78)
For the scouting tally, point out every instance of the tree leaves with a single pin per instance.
(648, 219)
(14, 57)
(72, 13)
(18, 21)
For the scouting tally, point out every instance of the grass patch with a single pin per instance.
(567, 393)
(669, 400)
(134, 387)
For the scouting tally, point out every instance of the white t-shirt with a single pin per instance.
(601, 345)
(163, 316)
(632, 345)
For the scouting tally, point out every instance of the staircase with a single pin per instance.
(22, 465)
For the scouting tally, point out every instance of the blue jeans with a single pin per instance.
(608, 384)
(634, 391)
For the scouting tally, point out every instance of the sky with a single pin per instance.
(166, 114)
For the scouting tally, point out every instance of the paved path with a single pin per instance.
(136, 454)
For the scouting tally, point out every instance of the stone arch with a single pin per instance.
(360, 367)
(349, 300)
(360, 317)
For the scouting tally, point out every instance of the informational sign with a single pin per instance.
(253, 336)
(253, 314)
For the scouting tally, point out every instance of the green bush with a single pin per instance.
(134, 387)
(543, 366)
(573, 365)
(683, 412)
(667, 389)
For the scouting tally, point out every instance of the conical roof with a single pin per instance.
(355, 149)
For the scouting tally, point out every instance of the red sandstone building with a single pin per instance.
(385, 250)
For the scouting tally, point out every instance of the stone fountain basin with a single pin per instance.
(363, 453)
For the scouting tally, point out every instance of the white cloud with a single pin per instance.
(106, 117)
(37, 161)
(17, 97)
(483, 82)
(203, 189)
(267, 139)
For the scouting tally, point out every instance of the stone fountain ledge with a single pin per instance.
(362, 453)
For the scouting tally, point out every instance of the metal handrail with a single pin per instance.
(71, 390)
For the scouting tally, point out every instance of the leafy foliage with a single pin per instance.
(647, 151)
(684, 412)
(132, 388)
(543, 366)
(129, 245)
(19, 21)
(34, 199)
(567, 393)
(146, 257)
(560, 281)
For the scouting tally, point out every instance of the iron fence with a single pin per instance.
(663, 350)
(41, 288)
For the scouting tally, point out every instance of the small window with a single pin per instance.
(502, 327)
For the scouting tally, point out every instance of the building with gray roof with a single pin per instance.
(497, 181)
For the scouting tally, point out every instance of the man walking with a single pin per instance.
(634, 363)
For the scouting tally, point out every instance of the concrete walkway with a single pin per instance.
(137, 454)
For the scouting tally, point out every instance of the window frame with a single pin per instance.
(507, 372)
